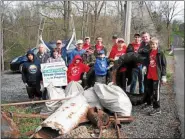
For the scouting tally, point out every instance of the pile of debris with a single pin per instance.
(104, 106)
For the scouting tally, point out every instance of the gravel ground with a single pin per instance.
(165, 125)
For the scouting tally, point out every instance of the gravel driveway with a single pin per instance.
(165, 125)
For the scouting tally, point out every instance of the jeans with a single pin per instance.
(137, 74)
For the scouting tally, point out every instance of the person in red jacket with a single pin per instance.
(118, 51)
(114, 40)
(76, 69)
(86, 44)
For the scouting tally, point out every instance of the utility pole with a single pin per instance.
(127, 24)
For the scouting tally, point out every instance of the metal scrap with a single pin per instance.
(8, 127)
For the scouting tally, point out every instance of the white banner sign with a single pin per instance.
(54, 73)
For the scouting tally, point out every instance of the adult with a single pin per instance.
(114, 55)
(31, 76)
(86, 44)
(42, 56)
(144, 52)
(137, 69)
(77, 51)
(55, 57)
(99, 46)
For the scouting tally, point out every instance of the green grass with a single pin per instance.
(24, 124)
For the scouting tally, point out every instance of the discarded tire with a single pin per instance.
(80, 132)
(136, 99)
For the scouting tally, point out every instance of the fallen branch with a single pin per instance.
(34, 102)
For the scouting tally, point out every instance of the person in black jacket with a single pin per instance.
(31, 76)
(144, 51)
(156, 73)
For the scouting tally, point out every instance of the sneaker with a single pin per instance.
(146, 106)
(155, 112)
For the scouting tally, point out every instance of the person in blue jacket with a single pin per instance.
(77, 51)
(31, 76)
(101, 68)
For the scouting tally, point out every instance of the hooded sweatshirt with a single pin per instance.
(75, 70)
(100, 66)
(31, 73)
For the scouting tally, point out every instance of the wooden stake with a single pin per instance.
(34, 102)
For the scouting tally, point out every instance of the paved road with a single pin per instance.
(179, 85)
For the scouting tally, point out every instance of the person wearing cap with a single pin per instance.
(136, 71)
(118, 51)
(77, 69)
(86, 44)
(31, 76)
(101, 68)
(99, 46)
(114, 55)
(77, 51)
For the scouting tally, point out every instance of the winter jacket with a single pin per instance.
(74, 53)
(100, 66)
(75, 71)
(52, 59)
(88, 57)
(144, 51)
(42, 58)
(31, 73)
(161, 63)
(96, 51)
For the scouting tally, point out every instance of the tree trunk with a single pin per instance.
(1, 37)
(83, 20)
(68, 18)
(168, 29)
(65, 18)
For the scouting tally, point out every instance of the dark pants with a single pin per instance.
(121, 80)
(137, 74)
(153, 89)
(33, 90)
(100, 79)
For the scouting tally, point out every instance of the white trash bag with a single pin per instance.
(67, 116)
(73, 89)
(53, 93)
(113, 98)
(92, 98)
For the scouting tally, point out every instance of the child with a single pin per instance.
(156, 73)
(99, 46)
(31, 76)
(101, 68)
(137, 70)
(76, 69)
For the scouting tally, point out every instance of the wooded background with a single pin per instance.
(20, 22)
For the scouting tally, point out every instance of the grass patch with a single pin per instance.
(24, 124)
(169, 76)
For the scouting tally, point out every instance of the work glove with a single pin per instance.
(26, 84)
(163, 79)
(144, 70)
(110, 66)
(80, 81)
(65, 68)
(85, 76)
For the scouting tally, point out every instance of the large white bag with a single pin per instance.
(92, 98)
(53, 93)
(113, 98)
(73, 89)
(67, 116)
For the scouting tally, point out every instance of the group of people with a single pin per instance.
(141, 60)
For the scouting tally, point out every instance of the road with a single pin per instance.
(179, 84)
